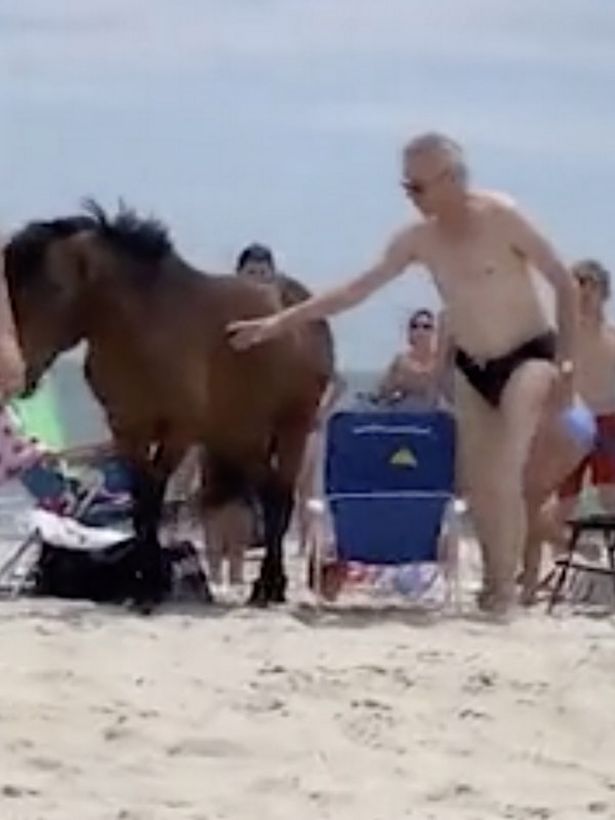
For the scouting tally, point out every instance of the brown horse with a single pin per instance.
(159, 362)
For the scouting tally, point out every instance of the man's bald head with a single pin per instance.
(437, 149)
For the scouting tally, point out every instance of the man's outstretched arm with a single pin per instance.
(401, 251)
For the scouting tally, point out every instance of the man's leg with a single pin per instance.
(603, 463)
(478, 428)
(553, 476)
(495, 474)
(238, 541)
(306, 487)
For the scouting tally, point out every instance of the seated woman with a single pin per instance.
(44, 473)
(409, 379)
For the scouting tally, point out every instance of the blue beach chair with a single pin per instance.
(388, 486)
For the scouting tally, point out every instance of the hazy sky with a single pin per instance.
(282, 120)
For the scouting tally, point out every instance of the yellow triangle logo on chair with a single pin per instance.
(404, 457)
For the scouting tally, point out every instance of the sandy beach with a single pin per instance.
(233, 714)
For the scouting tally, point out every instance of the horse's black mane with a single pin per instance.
(144, 240)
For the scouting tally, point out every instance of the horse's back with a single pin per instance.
(287, 374)
(190, 375)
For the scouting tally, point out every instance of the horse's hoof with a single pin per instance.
(258, 597)
(205, 595)
(268, 592)
(146, 598)
(143, 606)
(278, 591)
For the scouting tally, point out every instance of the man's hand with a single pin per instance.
(12, 368)
(246, 333)
(564, 389)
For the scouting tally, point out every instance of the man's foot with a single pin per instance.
(495, 604)
(528, 597)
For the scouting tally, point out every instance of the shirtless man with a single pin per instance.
(12, 370)
(563, 440)
(480, 249)
(595, 382)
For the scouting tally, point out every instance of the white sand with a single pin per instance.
(289, 714)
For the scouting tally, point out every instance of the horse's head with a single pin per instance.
(67, 275)
(44, 273)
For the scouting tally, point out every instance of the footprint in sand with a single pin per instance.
(177, 804)
(48, 764)
(597, 807)
(369, 723)
(271, 669)
(206, 747)
(10, 790)
(432, 656)
(275, 785)
(402, 677)
(450, 792)
(373, 705)
(20, 744)
(480, 682)
(527, 812)
(473, 714)
(262, 703)
(118, 730)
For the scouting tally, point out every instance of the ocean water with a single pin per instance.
(81, 415)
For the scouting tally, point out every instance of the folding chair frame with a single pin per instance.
(602, 524)
(448, 553)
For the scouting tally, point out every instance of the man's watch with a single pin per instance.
(566, 367)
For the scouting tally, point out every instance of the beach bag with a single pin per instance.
(100, 564)
(106, 574)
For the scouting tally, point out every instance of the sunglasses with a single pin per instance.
(417, 187)
(588, 283)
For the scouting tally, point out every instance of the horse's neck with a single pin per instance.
(120, 305)
(146, 321)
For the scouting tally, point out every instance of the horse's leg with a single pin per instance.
(276, 499)
(276, 493)
(149, 474)
(147, 495)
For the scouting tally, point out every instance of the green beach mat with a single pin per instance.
(40, 418)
